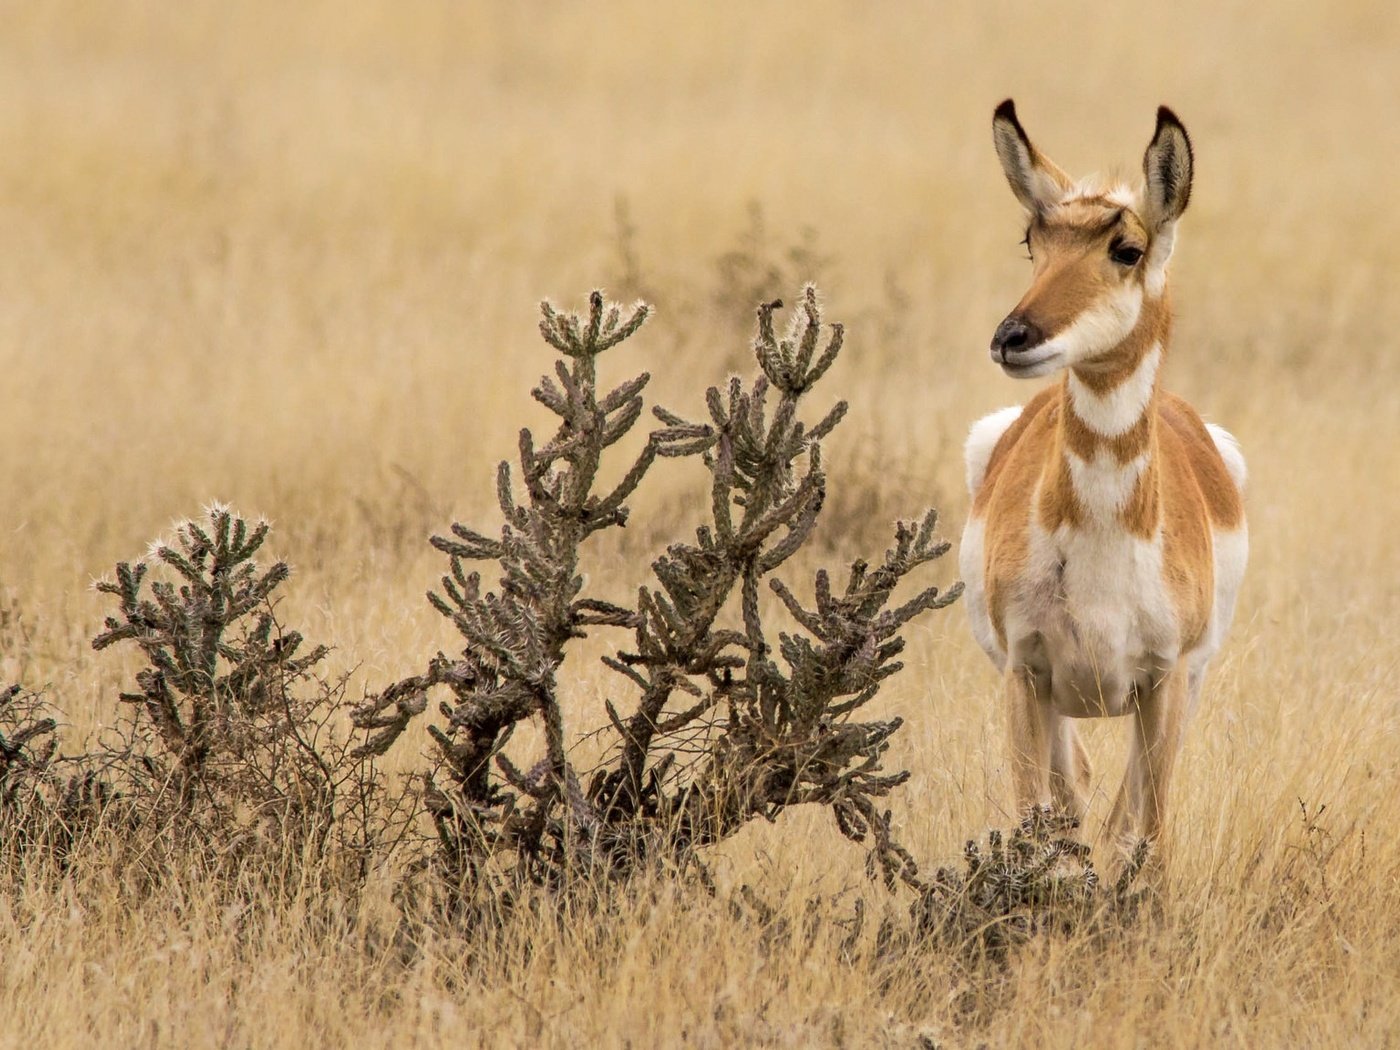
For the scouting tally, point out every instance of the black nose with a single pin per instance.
(1015, 336)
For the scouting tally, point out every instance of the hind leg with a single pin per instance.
(1070, 771)
(1127, 805)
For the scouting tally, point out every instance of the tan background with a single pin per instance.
(290, 259)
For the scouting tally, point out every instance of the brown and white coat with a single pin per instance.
(1107, 538)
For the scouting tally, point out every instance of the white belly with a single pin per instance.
(1093, 614)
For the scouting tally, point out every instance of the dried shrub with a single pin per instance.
(760, 266)
(1034, 882)
(28, 745)
(48, 801)
(27, 740)
(233, 743)
(17, 634)
(714, 314)
(712, 318)
(754, 736)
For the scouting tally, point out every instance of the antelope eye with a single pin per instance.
(1124, 254)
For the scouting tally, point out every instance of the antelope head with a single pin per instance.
(1099, 255)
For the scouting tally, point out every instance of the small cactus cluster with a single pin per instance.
(203, 683)
(232, 743)
(1040, 879)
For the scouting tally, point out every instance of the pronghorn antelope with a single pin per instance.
(1107, 538)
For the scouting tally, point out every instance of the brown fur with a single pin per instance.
(1222, 498)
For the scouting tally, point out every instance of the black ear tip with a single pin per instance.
(1166, 118)
(1006, 111)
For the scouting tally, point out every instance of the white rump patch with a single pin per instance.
(982, 439)
(1231, 555)
(971, 555)
(1231, 453)
(1118, 410)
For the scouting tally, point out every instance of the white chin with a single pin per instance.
(1034, 369)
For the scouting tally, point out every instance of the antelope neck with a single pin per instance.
(1104, 472)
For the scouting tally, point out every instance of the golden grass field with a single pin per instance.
(291, 259)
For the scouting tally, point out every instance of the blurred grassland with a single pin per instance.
(289, 257)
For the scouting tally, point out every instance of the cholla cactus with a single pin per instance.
(27, 740)
(1040, 880)
(234, 738)
(753, 737)
(47, 800)
(516, 636)
(28, 745)
(773, 737)
(203, 683)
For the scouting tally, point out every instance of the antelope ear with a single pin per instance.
(1035, 180)
(1168, 165)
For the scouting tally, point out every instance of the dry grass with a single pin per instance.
(290, 259)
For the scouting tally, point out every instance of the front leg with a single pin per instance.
(1029, 723)
(1161, 722)
(1158, 732)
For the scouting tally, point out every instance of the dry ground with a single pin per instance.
(290, 259)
